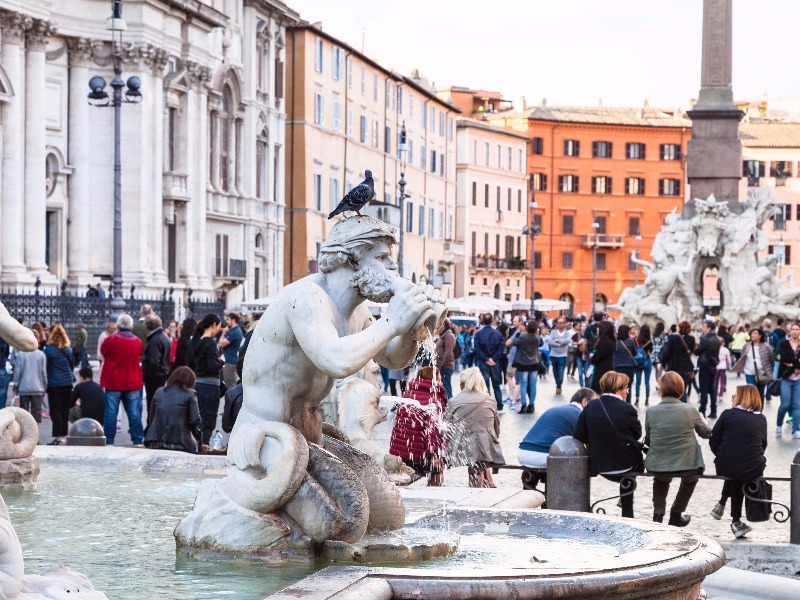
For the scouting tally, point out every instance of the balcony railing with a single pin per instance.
(603, 240)
(238, 269)
(488, 262)
(175, 186)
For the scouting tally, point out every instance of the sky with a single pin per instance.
(579, 52)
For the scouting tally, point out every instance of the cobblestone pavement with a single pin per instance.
(780, 454)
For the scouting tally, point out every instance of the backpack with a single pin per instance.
(456, 350)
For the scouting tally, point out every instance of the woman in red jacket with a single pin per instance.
(416, 435)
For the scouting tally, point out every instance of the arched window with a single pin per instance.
(51, 168)
(262, 164)
(497, 291)
(259, 241)
(226, 140)
(568, 298)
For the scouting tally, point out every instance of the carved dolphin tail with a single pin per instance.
(19, 433)
(15, 334)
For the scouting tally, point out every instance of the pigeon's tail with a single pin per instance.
(334, 213)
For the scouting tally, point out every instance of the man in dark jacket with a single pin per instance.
(707, 352)
(488, 347)
(155, 361)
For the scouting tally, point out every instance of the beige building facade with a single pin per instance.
(345, 114)
(492, 210)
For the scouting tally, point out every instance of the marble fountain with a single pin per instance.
(296, 497)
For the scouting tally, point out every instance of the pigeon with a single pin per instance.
(358, 197)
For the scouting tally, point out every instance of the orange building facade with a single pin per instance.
(602, 180)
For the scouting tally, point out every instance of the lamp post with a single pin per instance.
(99, 97)
(532, 231)
(595, 227)
(636, 256)
(402, 148)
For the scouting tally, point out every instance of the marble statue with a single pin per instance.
(710, 233)
(359, 412)
(288, 487)
(17, 441)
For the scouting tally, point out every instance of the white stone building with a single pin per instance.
(202, 154)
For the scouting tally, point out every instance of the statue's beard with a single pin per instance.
(374, 285)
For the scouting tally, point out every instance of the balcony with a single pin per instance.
(603, 240)
(489, 262)
(454, 249)
(175, 187)
(238, 269)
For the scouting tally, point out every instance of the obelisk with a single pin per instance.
(714, 157)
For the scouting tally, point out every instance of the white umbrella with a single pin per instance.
(477, 304)
(542, 304)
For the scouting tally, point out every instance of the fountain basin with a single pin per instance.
(598, 557)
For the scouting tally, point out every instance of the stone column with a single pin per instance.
(80, 212)
(35, 146)
(157, 63)
(714, 155)
(12, 224)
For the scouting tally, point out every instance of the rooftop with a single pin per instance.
(601, 115)
(477, 124)
(770, 134)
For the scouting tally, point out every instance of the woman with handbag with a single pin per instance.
(528, 363)
(624, 352)
(756, 361)
(204, 360)
(659, 339)
(789, 374)
(474, 430)
(644, 363)
(603, 356)
(610, 428)
(60, 378)
(676, 355)
(738, 441)
(669, 432)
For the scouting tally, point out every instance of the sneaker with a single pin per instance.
(558, 391)
(740, 529)
(796, 435)
(718, 511)
(778, 431)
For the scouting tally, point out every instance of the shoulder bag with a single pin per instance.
(688, 352)
(756, 503)
(628, 443)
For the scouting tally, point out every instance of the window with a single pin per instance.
(172, 139)
(537, 219)
(568, 183)
(374, 135)
(319, 109)
(349, 122)
(334, 193)
(635, 150)
(499, 157)
(442, 118)
(399, 99)
(363, 81)
(509, 157)
(566, 260)
(363, 130)
(537, 260)
(431, 225)
(600, 265)
(422, 220)
(423, 159)
(337, 116)
(520, 163)
(601, 149)
(632, 266)
(669, 187)
(572, 148)
(262, 165)
(670, 151)
(410, 105)
(409, 217)
(486, 195)
(634, 227)
(601, 224)
(601, 185)
(433, 161)
(337, 66)
(451, 128)
(410, 152)
(474, 152)
(634, 186)
(537, 145)
(318, 55)
(754, 170)
(423, 114)
(349, 72)
(387, 139)
(317, 191)
(782, 253)
(475, 195)
(432, 119)
(441, 164)
(375, 87)
(498, 199)
(519, 200)
(221, 256)
(509, 199)
(228, 136)
(567, 224)
(784, 213)
(388, 92)
(486, 154)
(539, 182)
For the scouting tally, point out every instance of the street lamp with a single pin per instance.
(99, 97)
(635, 255)
(595, 227)
(532, 231)
(402, 148)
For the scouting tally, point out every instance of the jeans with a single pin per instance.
(385, 378)
(583, 367)
(84, 357)
(492, 376)
(132, 402)
(790, 402)
(33, 404)
(527, 381)
(721, 383)
(661, 483)
(751, 380)
(687, 384)
(3, 387)
(707, 390)
(644, 373)
(208, 402)
(447, 381)
(559, 366)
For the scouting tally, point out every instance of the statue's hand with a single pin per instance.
(244, 448)
(405, 308)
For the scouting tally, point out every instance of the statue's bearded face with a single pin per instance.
(376, 274)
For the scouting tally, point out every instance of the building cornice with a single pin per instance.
(199, 11)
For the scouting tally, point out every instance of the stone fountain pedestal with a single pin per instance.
(19, 473)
